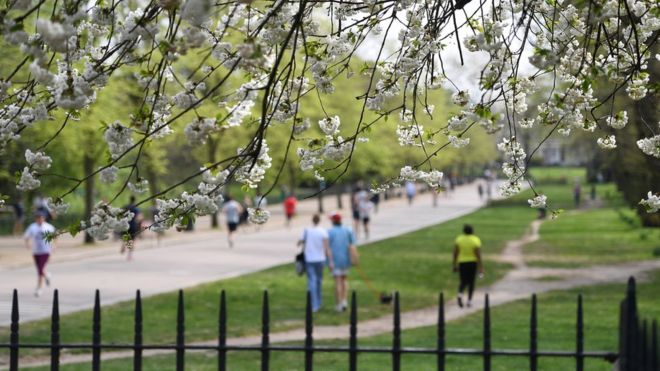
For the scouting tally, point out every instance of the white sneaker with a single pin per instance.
(37, 292)
(47, 278)
(339, 307)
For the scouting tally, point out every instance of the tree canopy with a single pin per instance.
(234, 76)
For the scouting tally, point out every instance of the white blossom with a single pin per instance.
(652, 203)
(105, 220)
(199, 130)
(28, 181)
(141, 186)
(538, 201)
(119, 139)
(258, 216)
(457, 142)
(461, 97)
(58, 205)
(608, 142)
(330, 125)
(650, 146)
(38, 161)
(618, 121)
(109, 174)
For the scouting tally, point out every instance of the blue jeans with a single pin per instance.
(314, 280)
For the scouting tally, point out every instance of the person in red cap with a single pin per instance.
(342, 241)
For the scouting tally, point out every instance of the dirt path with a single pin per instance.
(519, 283)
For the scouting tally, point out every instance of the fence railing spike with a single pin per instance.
(352, 340)
(265, 333)
(96, 332)
(55, 333)
(13, 335)
(137, 333)
(222, 333)
(180, 334)
(441, 333)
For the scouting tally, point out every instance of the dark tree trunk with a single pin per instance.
(88, 168)
(212, 148)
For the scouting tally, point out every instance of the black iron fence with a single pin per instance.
(638, 340)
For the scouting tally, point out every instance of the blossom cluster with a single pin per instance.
(262, 60)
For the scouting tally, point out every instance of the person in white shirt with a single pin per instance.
(317, 249)
(232, 210)
(35, 239)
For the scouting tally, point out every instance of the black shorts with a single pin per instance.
(365, 220)
(232, 226)
(356, 215)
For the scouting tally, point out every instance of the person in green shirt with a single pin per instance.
(467, 260)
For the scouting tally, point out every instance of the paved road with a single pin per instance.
(188, 259)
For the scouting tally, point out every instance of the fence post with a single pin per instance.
(627, 329)
(487, 335)
(655, 350)
(13, 337)
(222, 334)
(533, 342)
(137, 336)
(55, 333)
(441, 333)
(265, 328)
(180, 334)
(96, 332)
(396, 335)
(352, 341)
(309, 341)
(643, 361)
(579, 341)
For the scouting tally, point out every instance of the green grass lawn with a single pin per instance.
(510, 330)
(558, 175)
(417, 264)
(598, 236)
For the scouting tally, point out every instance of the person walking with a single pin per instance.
(467, 261)
(134, 228)
(232, 210)
(290, 208)
(316, 249)
(19, 216)
(410, 192)
(36, 239)
(342, 245)
(355, 209)
(365, 207)
(577, 192)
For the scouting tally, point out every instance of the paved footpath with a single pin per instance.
(519, 283)
(188, 259)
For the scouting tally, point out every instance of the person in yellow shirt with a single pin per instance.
(467, 260)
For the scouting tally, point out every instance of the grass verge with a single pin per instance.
(510, 330)
(417, 264)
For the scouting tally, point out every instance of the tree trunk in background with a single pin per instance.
(635, 172)
(88, 168)
(292, 177)
(212, 149)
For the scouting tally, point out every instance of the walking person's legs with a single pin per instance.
(314, 281)
(40, 262)
(468, 274)
(340, 292)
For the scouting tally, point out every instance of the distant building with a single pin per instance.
(556, 152)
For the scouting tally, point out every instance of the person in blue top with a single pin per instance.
(342, 241)
(134, 228)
